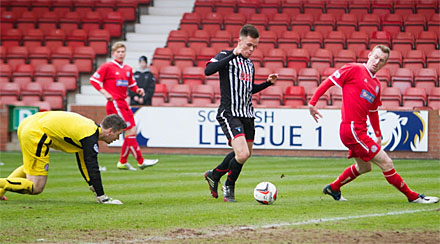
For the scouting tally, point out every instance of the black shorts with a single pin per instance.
(234, 127)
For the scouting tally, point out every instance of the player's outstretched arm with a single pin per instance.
(314, 112)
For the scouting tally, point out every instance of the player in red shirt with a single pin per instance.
(361, 98)
(112, 80)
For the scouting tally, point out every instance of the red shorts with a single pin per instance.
(120, 107)
(360, 145)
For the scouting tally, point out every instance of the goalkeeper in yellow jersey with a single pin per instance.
(68, 132)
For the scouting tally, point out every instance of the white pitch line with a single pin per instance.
(316, 221)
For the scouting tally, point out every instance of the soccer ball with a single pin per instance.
(265, 193)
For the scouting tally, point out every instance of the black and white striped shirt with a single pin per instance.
(236, 83)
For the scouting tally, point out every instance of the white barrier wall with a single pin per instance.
(189, 127)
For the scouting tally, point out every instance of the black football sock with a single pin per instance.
(223, 167)
(234, 172)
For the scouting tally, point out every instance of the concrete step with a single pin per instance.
(87, 99)
(172, 11)
(141, 37)
(156, 29)
(173, 4)
(159, 19)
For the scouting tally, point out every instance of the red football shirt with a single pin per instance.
(115, 78)
(360, 92)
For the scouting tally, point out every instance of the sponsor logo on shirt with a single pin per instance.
(367, 96)
(245, 77)
(122, 83)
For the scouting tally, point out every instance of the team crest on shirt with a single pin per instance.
(128, 73)
(373, 148)
(238, 129)
(337, 74)
(365, 80)
(377, 89)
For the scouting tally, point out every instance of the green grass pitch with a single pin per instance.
(173, 195)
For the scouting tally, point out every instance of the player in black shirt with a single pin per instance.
(236, 113)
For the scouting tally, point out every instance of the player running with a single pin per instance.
(361, 99)
(67, 132)
(112, 80)
(236, 113)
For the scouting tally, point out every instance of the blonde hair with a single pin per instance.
(117, 45)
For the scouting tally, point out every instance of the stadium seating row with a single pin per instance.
(291, 96)
(336, 7)
(82, 57)
(302, 23)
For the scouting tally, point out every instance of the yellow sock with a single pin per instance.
(18, 185)
(17, 173)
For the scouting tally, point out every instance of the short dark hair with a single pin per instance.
(143, 58)
(113, 121)
(249, 30)
(384, 49)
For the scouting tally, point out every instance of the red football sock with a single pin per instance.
(124, 152)
(348, 175)
(134, 148)
(394, 179)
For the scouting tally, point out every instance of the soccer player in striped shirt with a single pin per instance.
(236, 113)
(112, 80)
(361, 99)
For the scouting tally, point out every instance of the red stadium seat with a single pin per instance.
(31, 93)
(414, 23)
(344, 57)
(391, 97)
(55, 39)
(204, 6)
(325, 23)
(309, 78)
(286, 77)
(204, 55)
(179, 95)
(76, 38)
(221, 40)
(279, 23)
(257, 58)
(127, 9)
(395, 61)
(113, 22)
(271, 96)
(404, 7)
(190, 22)
(248, 7)
(294, 96)
(160, 96)
(260, 21)
(55, 94)
(5, 70)
(261, 74)
(45, 74)
(268, 40)
(327, 72)
(7, 20)
(91, 21)
(414, 60)
(414, 97)
(177, 39)
(312, 41)
(426, 78)
(270, 7)
(212, 22)
(427, 7)
(193, 75)
(61, 7)
(83, 58)
(402, 79)
(275, 58)
(184, 57)
(48, 22)
(68, 74)
(39, 55)
(359, 7)
(335, 96)
(84, 6)
(198, 40)
(357, 42)
(162, 56)
(298, 59)
(302, 23)
(225, 7)
(384, 76)
(433, 60)
(321, 59)
(380, 37)
(62, 56)
(434, 98)
(381, 7)
(426, 41)
(103, 7)
(292, 7)
(323, 102)
(314, 7)
(28, 20)
(233, 23)
(9, 93)
(434, 23)
(403, 42)
(170, 72)
(99, 41)
(369, 23)
(16, 56)
(392, 23)
(288, 40)
(348, 23)
(69, 22)
(337, 7)
(335, 41)
(202, 95)
(11, 38)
